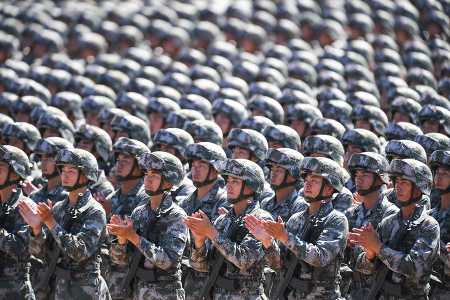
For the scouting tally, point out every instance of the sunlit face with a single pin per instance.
(69, 175)
(403, 189)
(364, 179)
(152, 180)
(200, 170)
(91, 118)
(241, 153)
(4, 171)
(234, 186)
(156, 122)
(48, 164)
(278, 175)
(124, 164)
(300, 127)
(224, 122)
(442, 178)
(430, 126)
(313, 184)
(349, 151)
(85, 144)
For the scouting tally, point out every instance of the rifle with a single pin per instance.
(382, 273)
(207, 288)
(136, 258)
(293, 263)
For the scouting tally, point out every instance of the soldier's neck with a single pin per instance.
(407, 211)
(76, 194)
(204, 190)
(314, 207)
(53, 183)
(127, 185)
(155, 201)
(445, 201)
(240, 206)
(369, 201)
(5, 194)
(282, 194)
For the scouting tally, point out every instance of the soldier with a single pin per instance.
(440, 165)
(401, 252)
(131, 127)
(371, 118)
(21, 135)
(285, 180)
(153, 239)
(434, 119)
(14, 237)
(158, 110)
(51, 124)
(68, 235)
(97, 141)
(357, 141)
(433, 141)
(281, 136)
(228, 114)
(369, 172)
(175, 141)
(205, 131)
(313, 239)
(231, 255)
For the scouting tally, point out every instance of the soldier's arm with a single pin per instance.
(330, 243)
(15, 244)
(37, 246)
(413, 263)
(272, 256)
(169, 251)
(85, 243)
(198, 259)
(119, 254)
(244, 254)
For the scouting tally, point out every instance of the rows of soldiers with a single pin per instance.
(276, 149)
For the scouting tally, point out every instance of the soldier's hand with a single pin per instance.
(117, 220)
(256, 228)
(200, 223)
(223, 211)
(276, 230)
(123, 229)
(104, 202)
(45, 212)
(448, 247)
(367, 238)
(356, 198)
(28, 211)
(29, 188)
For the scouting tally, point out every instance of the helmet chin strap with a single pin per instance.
(411, 200)
(160, 190)
(129, 176)
(373, 187)
(9, 182)
(241, 196)
(284, 183)
(319, 197)
(77, 184)
(207, 181)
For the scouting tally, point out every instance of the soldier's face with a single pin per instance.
(200, 170)
(91, 118)
(49, 132)
(124, 164)
(118, 134)
(13, 141)
(48, 165)
(400, 117)
(69, 175)
(4, 170)
(277, 175)
(403, 189)
(152, 181)
(242, 153)
(442, 178)
(156, 122)
(234, 186)
(363, 124)
(224, 122)
(22, 117)
(430, 126)
(86, 145)
(313, 185)
(299, 126)
(275, 145)
(168, 149)
(349, 151)
(363, 179)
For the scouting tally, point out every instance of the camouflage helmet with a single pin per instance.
(68, 102)
(402, 131)
(135, 128)
(258, 123)
(106, 114)
(413, 170)
(205, 131)
(23, 131)
(129, 146)
(26, 104)
(324, 167)
(205, 151)
(233, 109)
(406, 106)
(100, 138)
(174, 137)
(58, 122)
(362, 138)
(161, 105)
(371, 162)
(338, 110)
(433, 141)
(198, 103)
(403, 149)
(132, 102)
(81, 159)
(51, 145)
(286, 158)
(246, 170)
(327, 127)
(436, 113)
(303, 112)
(179, 118)
(96, 103)
(168, 165)
(284, 135)
(269, 107)
(249, 139)
(440, 158)
(326, 145)
(16, 159)
(4, 120)
(374, 115)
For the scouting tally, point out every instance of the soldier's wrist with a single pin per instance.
(36, 231)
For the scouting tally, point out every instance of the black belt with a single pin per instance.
(151, 275)
(301, 285)
(227, 284)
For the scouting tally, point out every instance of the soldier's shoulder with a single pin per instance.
(177, 211)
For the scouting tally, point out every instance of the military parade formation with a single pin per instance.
(250, 149)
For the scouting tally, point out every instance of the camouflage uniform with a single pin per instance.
(359, 216)
(243, 255)
(14, 235)
(163, 243)
(123, 204)
(442, 266)
(409, 262)
(317, 254)
(78, 234)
